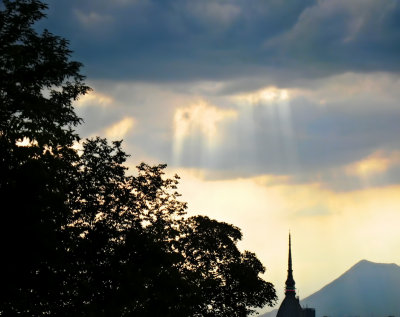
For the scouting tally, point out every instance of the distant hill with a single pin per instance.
(367, 290)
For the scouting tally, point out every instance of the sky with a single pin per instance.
(277, 114)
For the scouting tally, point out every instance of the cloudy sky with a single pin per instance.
(277, 114)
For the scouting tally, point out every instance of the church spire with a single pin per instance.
(290, 284)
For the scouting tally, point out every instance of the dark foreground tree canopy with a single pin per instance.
(81, 237)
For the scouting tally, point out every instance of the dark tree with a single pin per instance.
(144, 257)
(124, 261)
(81, 237)
(227, 279)
(38, 84)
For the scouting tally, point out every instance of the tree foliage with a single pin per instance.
(38, 84)
(79, 236)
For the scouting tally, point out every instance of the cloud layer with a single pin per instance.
(158, 40)
(319, 131)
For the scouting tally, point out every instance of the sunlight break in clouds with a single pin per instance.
(201, 118)
(374, 164)
(199, 121)
(94, 99)
(279, 115)
(268, 95)
(120, 129)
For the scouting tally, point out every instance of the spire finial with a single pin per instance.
(290, 253)
(290, 284)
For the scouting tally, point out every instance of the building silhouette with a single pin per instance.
(308, 312)
(290, 306)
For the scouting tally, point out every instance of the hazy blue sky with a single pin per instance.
(277, 114)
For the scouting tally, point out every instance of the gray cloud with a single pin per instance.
(321, 139)
(337, 36)
(301, 137)
(214, 49)
(181, 39)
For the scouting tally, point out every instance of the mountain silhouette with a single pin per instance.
(367, 289)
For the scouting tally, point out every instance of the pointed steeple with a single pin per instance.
(290, 284)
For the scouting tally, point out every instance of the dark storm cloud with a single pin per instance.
(341, 35)
(211, 39)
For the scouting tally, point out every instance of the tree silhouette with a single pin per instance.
(143, 256)
(38, 84)
(81, 237)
